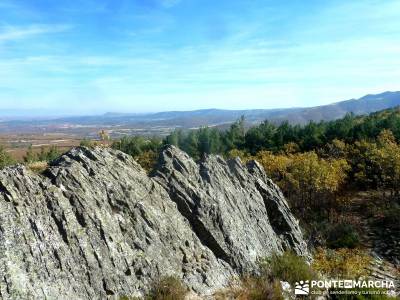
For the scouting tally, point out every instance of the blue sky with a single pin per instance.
(93, 56)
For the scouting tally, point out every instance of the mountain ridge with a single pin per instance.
(161, 123)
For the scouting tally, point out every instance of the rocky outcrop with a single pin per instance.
(235, 210)
(94, 225)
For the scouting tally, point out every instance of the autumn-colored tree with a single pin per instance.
(291, 148)
(386, 156)
(276, 166)
(335, 149)
(315, 179)
(147, 160)
(376, 165)
(307, 180)
(243, 155)
(364, 172)
(341, 263)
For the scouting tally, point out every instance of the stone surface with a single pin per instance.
(235, 210)
(95, 225)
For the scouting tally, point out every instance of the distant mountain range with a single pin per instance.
(364, 105)
(164, 122)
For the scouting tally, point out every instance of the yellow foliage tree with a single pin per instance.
(275, 166)
(386, 156)
(305, 178)
(291, 148)
(147, 160)
(244, 156)
(341, 263)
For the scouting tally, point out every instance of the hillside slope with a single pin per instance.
(364, 105)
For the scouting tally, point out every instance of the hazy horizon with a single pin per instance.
(167, 55)
(42, 113)
(48, 113)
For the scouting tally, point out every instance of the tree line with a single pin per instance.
(313, 164)
(272, 137)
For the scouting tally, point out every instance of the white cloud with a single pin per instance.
(12, 33)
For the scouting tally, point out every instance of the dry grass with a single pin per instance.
(168, 288)
(38, 166)
(251, 288)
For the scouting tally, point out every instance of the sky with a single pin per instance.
(96, 56)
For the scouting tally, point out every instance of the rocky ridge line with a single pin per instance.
(94, 225)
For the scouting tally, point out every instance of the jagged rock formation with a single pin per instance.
(95, 225)
(237, 212)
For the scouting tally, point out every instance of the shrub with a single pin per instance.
(88, 143)
(45, 155)
(341, 263)
(252, 288)
(168, 288)
(51, 154)
(144, 150)
(244, 156)
(342, 235)
(30, 156)
(147, 159)
(287, 267)
(5, 158)
(390, 218)
(136, 145)
(38, 166)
